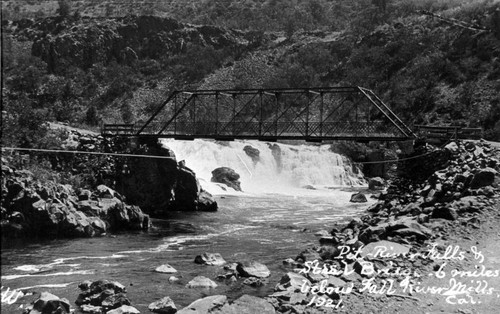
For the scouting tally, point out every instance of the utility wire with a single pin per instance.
(83, 152)
(168, 157)
(392, 160)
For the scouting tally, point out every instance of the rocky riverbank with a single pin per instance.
(426, 246)
(43, 208)
(85, 195)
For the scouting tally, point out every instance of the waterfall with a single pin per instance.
(278, 168)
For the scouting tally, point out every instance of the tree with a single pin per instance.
(64, 8)
(108, 10)
(91, 117)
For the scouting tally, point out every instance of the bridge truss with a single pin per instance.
(312, 114)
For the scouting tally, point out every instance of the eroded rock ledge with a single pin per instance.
(124, 190)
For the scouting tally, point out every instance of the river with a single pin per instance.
(258, 224)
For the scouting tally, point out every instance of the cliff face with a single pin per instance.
(162, 185)
(85, 42)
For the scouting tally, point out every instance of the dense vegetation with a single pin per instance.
(429, 69)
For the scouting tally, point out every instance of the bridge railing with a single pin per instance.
(270, 129)
(118, 129)
(449, 132)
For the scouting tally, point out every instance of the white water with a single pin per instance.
(301, 165)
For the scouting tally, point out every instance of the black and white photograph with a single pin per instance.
(250, 156)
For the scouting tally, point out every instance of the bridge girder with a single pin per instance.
(314, 114)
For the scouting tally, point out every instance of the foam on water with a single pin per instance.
(174, 243)
(286, 172)
(56, 285)
(68, 273)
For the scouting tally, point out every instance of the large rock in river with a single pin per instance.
(50, 304)
(358, 198)
(163, 306)
(227, 176)
(214, 259)
(253, 153)
(201, 282)
(253, 269)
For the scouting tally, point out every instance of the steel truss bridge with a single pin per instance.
(311, 114)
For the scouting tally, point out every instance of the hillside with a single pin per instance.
(432, 63)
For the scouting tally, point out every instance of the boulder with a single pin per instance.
(292, 282)
(253, 269)
(90, 208)
(91, 309)
(213, 259)
(105, 293)
(445, 212)
(201, 282)
(358, 198)
(206, 305)
(329, 252)
(335, 281)
(163, 306)
(322, 233)
(206, 202)
(50, 304)
(248, 304)
(124, 309)
(253, 282)
(115, 301)
(253, 153)
(308, 254)
(138, 220)
(84, 285)
(483, 177)
(187, 189)
(227, 176)
(452, 147)
(98, 224)
(166, 269)
(276, 152)
(103, 191)
(328, 240)
(409, 226)
(376, 183)
(173, 279)
(84, 195)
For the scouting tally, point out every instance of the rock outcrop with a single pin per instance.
(104, 296)
(163, 184)
(227, 176)
(84, 42)
(45, 208)
(48, 209)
